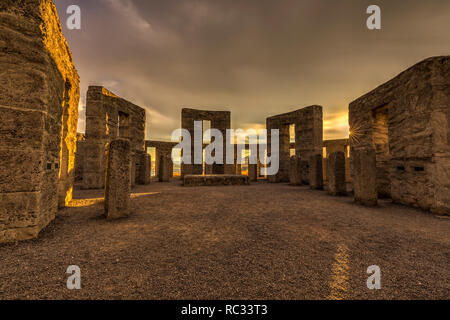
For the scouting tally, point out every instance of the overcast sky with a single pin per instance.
(256, 58)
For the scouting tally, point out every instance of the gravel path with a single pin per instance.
(265, 241)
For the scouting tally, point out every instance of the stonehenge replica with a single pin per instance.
(398, 148)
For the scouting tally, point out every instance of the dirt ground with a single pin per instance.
(265, 241)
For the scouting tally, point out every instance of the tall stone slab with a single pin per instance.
(145, 168)
(336, 174)
(304, 170)
(164, 169)
(253, 172)
(316, 172)
(295, 171)
(365, 168)
(134, 168)
(118, 179)
(39, 95)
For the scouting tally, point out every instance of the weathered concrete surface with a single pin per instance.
(79, 156)
(316, 172)
(215, 180)
(145, 168)
(304, 170)
(220, 120)
(336, 174)
(39, 94)
(365, 168)
(165, 163)
(308, 136)
(109, 117)
(118, 179)
(407, 122)
(295, 173)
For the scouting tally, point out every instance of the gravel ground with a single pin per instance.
(265, 241)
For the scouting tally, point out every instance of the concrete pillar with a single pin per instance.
(145, 168)
(170, 167)
(316, 172)
(365, 175)
(133, 169)
(118, 179)
(304, 170)
(336, 174)
(295, 177)
(253, 172)
(164, 169)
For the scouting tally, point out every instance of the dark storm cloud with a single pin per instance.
(255, 58)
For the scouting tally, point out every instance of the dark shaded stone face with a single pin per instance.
(336, 174)
(316, 172)
(144, 168)
(448, 125)
(253, 172)
(405, 122)
(364, 166)
(165, 165)
(295, 171)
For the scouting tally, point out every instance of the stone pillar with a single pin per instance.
(133, 169)
(238, 166)
(118, 179)
(253, 172)
(94, 164)
(164, 169)
(336, 174)
(145, 168)
(304, 170)
(209, 169)
(295, 177)
(365, 174)
(169, 159)
(316, 172)
(171, 167)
